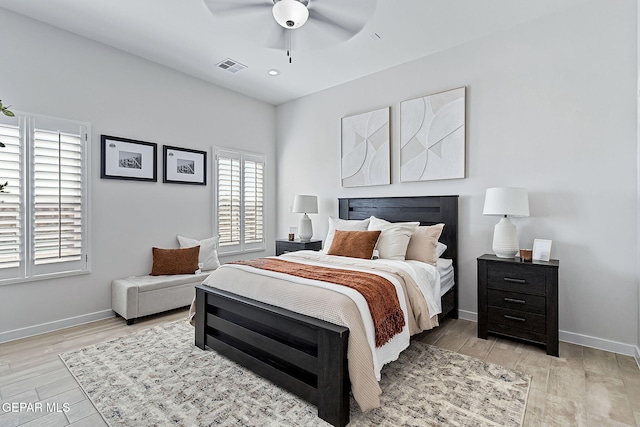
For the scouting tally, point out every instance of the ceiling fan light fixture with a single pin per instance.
(290, 14)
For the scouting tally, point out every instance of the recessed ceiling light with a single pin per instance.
(274, 72)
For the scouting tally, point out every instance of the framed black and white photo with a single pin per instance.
(184, 166)
(124, 158)
(541, 250)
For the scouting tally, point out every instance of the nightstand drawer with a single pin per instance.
(508, 331)
(516, 278)
(285, 246)
(517, 301)
(290, 246)
(517, 319)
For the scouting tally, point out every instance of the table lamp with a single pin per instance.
(506, 202)
(305, 204)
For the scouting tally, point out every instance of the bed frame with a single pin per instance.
(302, 354)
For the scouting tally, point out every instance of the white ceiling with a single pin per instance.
(184, 35)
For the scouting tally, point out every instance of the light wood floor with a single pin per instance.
(583, 387)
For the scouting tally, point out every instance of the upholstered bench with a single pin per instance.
(139, 296)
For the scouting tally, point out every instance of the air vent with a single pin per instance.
(231, 65)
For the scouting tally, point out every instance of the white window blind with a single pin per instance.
(57, 199)
(239, 201)
(11, 247)
(44, 228)
(253, 201)
(229, 198)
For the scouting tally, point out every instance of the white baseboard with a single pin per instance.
(599, 343)
(468, 315)
(583, 340)
(42, 328)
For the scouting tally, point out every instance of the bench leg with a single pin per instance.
(130, 321)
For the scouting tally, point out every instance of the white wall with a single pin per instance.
(551, 107)
(55, 73)
(638, 175)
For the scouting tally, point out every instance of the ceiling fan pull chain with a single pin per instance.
(289, 48)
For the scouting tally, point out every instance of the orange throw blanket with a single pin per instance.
(379, 293)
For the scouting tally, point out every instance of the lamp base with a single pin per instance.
(505, 239)
(306, 229)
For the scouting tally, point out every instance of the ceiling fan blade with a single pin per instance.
(358, 9)
(347, 27)
(347, 16)
(277, 39)
(232, 7)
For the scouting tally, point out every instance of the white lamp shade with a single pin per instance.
(305, 204)
(290, 13)
(506, 201)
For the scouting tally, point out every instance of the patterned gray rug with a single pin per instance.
(157, 377)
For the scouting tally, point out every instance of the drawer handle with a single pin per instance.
(512, 280)
(519, 319)
(517, 301)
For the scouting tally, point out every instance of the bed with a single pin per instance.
(304, 354)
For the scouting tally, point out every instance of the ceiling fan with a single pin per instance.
(317, 23)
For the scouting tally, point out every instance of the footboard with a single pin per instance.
(302, 354)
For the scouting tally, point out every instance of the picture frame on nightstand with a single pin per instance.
(541, 250)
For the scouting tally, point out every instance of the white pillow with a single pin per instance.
(208, 250)
(394, 238)
(440, 249)
(344, 225)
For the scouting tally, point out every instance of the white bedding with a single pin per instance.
(425, 275)
(445, 268)
(342, 308)
(381, 355)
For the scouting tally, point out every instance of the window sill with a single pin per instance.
(246, 251)
(41, 277)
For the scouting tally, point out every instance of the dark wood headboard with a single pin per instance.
(428, 210)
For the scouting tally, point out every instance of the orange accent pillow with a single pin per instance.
(354, 244)
(175, 261)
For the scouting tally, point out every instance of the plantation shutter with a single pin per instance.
(239, 201)
(11, 173)
(57, 198)
(43, 211)
(228, 199)
(253, 200)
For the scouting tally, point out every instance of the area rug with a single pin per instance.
(157, 377)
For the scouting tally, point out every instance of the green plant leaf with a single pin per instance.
(6, 111)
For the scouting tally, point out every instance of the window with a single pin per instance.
(43, 209)
(239, 201)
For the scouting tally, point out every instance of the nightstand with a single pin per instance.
(283, 246)
(519, 300)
